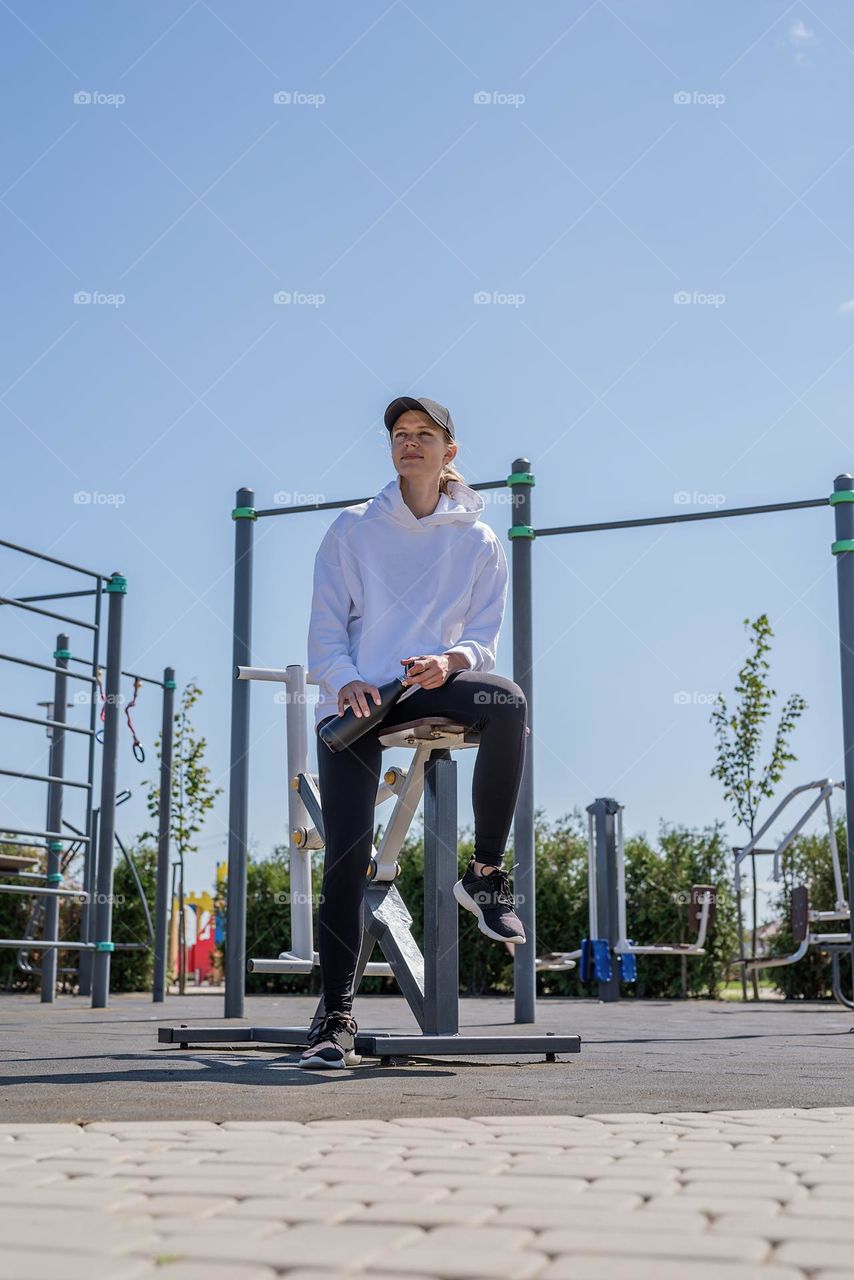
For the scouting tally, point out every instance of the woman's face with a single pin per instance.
(419, 447)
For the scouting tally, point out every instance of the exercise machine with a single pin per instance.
(428, 981)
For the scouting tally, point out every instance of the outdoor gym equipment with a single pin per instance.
(428, 982)
(522, 534)
(802, 917)
(608, 955)
(97, 837)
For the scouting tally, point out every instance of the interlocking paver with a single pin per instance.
(342, 1246)
(656, 1244)
(445, 1213)
(454, 1263)
(811, 1254)
(612, 1267)
(36, 1264)
(724, 1196)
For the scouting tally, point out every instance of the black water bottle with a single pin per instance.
(343, 731)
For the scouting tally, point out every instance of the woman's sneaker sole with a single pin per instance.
(465, 900)
(350, 1059)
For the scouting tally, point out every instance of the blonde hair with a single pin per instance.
(448, 473)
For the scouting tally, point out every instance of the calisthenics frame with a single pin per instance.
(522, 534)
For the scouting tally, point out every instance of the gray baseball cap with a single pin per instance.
(440, 415)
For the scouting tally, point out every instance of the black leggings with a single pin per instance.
(348, 788)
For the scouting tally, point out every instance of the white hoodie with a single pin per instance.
(388, 585)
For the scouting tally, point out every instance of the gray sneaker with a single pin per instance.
(489, 898)
(330, 1043)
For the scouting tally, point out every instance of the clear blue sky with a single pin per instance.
(628, 153)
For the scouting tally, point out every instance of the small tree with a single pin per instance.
(192, 797)
(739, 744)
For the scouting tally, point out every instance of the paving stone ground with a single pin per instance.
(690, 1195)
(67, 1061)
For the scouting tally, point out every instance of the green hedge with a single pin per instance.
(658, 883)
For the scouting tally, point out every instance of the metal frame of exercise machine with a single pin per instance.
(429, 982)
(98, 836)
(802, 916)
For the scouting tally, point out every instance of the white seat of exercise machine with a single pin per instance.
(429, 729)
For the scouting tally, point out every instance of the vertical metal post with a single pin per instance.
(164, 822)
(56, 769)
(441, 944)
(842, 499)
(296, 730)
(521, 534)
(90, 850)
(604, 812)
(238, 812)
(116, 588)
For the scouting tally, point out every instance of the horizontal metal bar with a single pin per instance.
(63, 595)
(40, 944)
(35, 891)
(42, 666)
(682, 518)
(353, 502)
(64, 564)
(45, 835)
(132, 675)
(24, 844)
(44, 777)
(48, 613)
(145, 679)
(45, 724)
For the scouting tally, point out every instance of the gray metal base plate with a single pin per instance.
(380, 1044)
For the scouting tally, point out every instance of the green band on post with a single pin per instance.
(521, 477)
(841, 495)
(62, 653)
(118, 584)
(56, 877)
(244, 513)
(843, 544)
(105, 946)
(521, 531)
(56, 846)
(170, 684)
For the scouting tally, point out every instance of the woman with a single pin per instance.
(412, 579)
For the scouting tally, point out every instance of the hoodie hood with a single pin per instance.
(461, 505)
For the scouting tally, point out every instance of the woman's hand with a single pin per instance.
(355, 695)
(432, 670)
